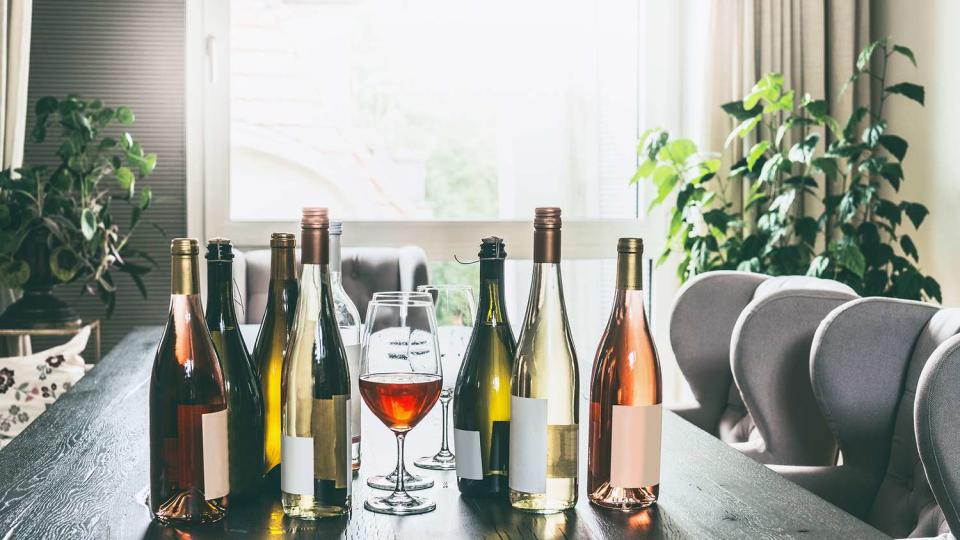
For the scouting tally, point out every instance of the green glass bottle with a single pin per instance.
(244, 400)
(481, 403)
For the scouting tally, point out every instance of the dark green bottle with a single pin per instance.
(481, 403)
(244, 400)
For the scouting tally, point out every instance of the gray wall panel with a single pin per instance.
(125, 52)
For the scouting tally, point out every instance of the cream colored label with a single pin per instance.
(528, 445)
(469, 455)
(635, 446)
(331, 441)
(216, 464)
(296, 465)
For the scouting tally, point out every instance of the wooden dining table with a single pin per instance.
(81, 470)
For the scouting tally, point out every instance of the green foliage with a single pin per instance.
(790, 150)
(64, 212)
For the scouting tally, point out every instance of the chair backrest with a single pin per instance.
(937, 426)
(742, 341)
(365, 271)
(770, 360)
(867, 360)
(704, 313)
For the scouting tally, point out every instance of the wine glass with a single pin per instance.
(400, 381)
(455, 309)
(411, 481)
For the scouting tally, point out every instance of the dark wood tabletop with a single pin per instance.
(81, 471)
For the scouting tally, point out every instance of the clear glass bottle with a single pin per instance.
(351, 328)
(315, 463)
(189, 472)
(623, 463)
(544, 408)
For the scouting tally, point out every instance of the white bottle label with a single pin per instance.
(469, 455)
(296, 465)
(216, 465)
(353, 361)
(528, 444)
(635, 445)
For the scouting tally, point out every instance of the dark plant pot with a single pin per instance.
(38, 307)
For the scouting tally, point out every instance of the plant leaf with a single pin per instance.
(909, 248)
(146, 196)
(126, 179)
(64, 263)
(863, 60)
(855, 118)
(736, 110)
(755, 153)
(125, 115)
(905, 52)
(88, 223)
(895, 145)
(915, 211)
(14, 274)
(910, 90)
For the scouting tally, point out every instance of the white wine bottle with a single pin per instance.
(544, 408)
(315, 470)
(348, 318)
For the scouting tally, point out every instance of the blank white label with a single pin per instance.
(216, 464)
(469, 456)
(635, 446)
(353, 361)
(296, 465)
(528, 444)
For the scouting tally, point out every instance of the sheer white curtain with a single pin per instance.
(15, 16)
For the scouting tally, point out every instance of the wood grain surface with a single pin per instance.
(81, 471)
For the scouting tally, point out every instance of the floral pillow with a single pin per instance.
(28, 384)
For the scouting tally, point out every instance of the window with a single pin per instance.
(423, 122)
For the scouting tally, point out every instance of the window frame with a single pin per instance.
(208, 163)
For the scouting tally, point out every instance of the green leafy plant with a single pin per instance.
(56, 222)
(792, 147)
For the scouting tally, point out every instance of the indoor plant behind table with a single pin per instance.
(56, 222)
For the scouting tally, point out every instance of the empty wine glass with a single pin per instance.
(412, 482)
(400, 381)
(455, 309)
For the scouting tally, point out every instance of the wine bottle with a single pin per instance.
(315, 463)
(481, 404)
(348, 318)
(189, 476)
(244, 400)
(272, 340)
(544, 386)
(623, 459)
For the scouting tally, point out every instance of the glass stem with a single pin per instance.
(445, 406)
(399, 486)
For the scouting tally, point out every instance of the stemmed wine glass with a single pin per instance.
(411, 481)
(455, 309)
(400, 381)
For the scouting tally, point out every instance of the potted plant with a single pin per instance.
(792, 148)
(58, 223)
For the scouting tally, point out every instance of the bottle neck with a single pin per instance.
(490, 308)
(220, 291)
(315, 245)
(184, 278)
(335, 261)
(630, 271)
(283, 263)
(546, 245)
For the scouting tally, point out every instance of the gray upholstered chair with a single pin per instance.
(365, 271)
(937, 426)
(865, 364)
(742, 341)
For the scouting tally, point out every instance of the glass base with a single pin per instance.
(388, 482)
(399, 504)
(442, 461)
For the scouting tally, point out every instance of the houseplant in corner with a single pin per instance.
(58, 224)
(795, 149)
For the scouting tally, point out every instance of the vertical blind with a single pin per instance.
(124, 53)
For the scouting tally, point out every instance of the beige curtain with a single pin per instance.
(813, 43)
(15, 17)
